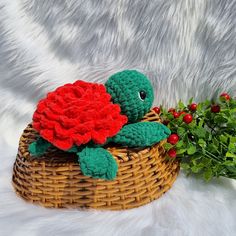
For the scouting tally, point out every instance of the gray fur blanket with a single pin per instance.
(186, 47)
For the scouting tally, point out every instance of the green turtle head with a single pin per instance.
(132, 91)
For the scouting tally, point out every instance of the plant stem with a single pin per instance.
(212, 156)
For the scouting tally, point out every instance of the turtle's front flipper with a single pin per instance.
(141, 134)
(97, 163)
(39, 147)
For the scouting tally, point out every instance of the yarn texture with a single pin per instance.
(40, 147)
(141, 134)
(77, 113)
(98, 163)
(83, 117)
(132, 91)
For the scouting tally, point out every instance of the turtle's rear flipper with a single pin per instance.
(141, 134)
(97, 163)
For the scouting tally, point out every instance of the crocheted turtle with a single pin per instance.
(82, 117)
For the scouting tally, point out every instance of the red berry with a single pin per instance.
(171, 110)
(215, 108)
(157, 110)
(172, 153)
(176, 114)
(173, 139)
(188, 118)
(193, 107)
(224, 97)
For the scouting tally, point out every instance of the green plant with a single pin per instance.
(207, 136)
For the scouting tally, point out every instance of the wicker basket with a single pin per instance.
(55, 180)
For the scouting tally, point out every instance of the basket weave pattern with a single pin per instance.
(55, 180)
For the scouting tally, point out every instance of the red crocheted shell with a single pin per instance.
(77, 113)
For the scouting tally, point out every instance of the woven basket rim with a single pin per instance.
(125, 151)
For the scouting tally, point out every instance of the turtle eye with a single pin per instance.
(142, 95)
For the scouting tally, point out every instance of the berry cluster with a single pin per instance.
(215, 108)
(203, 136)
(186, 117)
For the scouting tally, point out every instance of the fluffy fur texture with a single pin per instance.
(186, 47)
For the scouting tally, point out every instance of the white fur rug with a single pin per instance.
(186, 47)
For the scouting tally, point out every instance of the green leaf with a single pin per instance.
(209, 137)
(191, 150)
(207, 103)
(223, 138)
(206, 161)
(39, 147)
(168, 146)
(232, 147)
(180, 131)
(220, 119)
(185, 166)
(208, 174)
(233, 140)
(208, 114)
(202, 143)
(180, 144)
(199, 107)
(181, 105)
(192, 125)
(201, 122)
(212, 147)
(229, 163)
(215, 142)
(190, 101)
(181, 151)
(232, 169)
(200, 132)
(229, 154)
(195, 169)
(231, 125)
